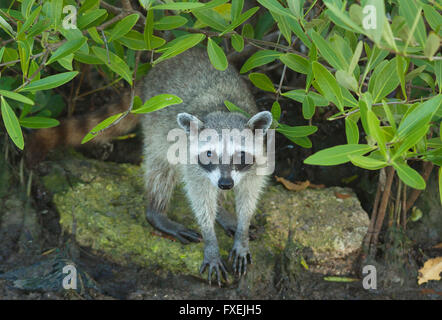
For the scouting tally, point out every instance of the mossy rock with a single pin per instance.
(104, 203)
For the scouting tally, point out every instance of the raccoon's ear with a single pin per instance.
(189, 122)
(262, 120)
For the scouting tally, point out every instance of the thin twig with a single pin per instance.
(380, 104)
(42, 64)
(132, 97)
(374, 213)
(98, 89)
(382, 209)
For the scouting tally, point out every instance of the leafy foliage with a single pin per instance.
(375, 63)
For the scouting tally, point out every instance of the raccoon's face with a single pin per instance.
(223, 146)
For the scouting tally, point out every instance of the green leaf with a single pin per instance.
(236, 9)
(376, 33)
(116, 64)
(102, 125)
(343, 19)
(440, 184)
(123, 26)
(295, 62)
(340, 279)
(66, 49)
(2, 51)
(240, 20)
(11, 124)
(89, 5)
(438, 72)
(431, 45)
(328, 84)
(410, 11)
(234, 108)
(216, 55)
(29, 21)
(351, 131)
(327, 52)
(419, 117)
(308, 107)
(237, 42)
(169, 22)
(299, 32)
(94, 35)
(248, 31)
(135, 40)
(50, 82)
(26, 7)
(184, 43)
(260, 58)
(337, 155)
(213, 4)
(376, 132)
(87, 58)
(367, 162)
(276, 111)
(355, 59)
(276, 7)
(16, 96)
(401, 65)
(283, 26)
(409, 176)
(91, 18)
(389, 36)
(148, 30)
(178, 6)
(346, 80)
(261, 81)
(211, 18)
(39, 27)
(304, 142)
(39, 122)
(158, 102)
(433, 18)
(299, 95)
(6, 27)
(297, 131)
(390, 116)
(412, 138)
(295, 7)
(384, 80)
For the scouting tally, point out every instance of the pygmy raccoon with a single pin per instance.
(203, 90)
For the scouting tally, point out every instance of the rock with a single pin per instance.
(103, 204)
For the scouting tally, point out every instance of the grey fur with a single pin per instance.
(203, 91)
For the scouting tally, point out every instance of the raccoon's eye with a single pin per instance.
(209, 154)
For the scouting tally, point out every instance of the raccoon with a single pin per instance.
(203, 90)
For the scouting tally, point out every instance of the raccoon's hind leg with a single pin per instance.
(246, 197)
(160, 180)
(203, 196)
(228, 222)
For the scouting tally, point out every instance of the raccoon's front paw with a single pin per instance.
(241, 257)
(213, 260)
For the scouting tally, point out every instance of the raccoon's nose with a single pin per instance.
(225, 183)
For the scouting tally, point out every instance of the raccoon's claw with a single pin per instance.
(164, 224)
(241, 257)
(217, 265)
(188, 235)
